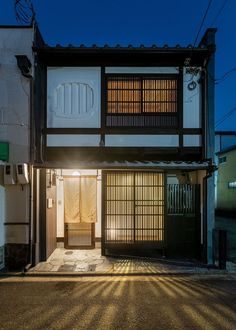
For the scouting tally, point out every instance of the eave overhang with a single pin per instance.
(122, 56)
(141, 165)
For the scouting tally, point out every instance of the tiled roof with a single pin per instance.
(124, 164)
(118, 46)
(226, 150)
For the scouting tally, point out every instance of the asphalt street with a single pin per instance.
(135, 302)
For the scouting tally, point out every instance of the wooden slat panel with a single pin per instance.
(181, 198)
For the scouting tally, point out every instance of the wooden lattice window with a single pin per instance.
(134, 207)
(137, 95)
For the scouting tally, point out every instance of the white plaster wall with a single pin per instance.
(73, 97)
(141, 140)
(2, 215)
(15, 92)
(60, 199)
(192, 140)
(73, 140)
(191, 101)
(14, 124)
(17, 210)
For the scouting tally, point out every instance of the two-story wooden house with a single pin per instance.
(123, 149)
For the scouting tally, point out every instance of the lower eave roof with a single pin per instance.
(144, 165)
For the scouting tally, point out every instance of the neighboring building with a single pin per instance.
(226, 180)
(15, 100)
(122, 150)
(224, 139)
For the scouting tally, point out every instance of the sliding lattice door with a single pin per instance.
(134, 208)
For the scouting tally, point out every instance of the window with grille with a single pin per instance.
(142, 101)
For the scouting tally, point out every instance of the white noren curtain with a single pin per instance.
(80, 199)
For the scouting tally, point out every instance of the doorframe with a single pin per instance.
(42, 214)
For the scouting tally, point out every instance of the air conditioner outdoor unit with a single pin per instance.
(22, 173)
(9, 177)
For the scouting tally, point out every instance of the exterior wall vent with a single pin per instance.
(73, 100)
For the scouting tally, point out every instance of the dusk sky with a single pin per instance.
(144, 22)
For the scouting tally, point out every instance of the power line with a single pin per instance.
(226, 116)
(203, 20)
(225, 75)
(219, 12)
(222, 78)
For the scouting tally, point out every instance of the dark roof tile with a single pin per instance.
(129, 46)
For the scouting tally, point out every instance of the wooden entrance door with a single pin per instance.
(183, 220)
(133, 210)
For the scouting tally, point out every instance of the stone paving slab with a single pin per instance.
(92, 262)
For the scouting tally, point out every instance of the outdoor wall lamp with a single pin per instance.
(76, 173)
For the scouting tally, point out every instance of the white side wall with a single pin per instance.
(14, 125)
(15, 92)
(17, 210)
(191, 100)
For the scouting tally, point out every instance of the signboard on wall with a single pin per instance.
(4, 151)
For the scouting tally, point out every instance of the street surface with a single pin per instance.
(118, 302)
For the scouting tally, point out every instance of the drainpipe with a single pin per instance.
(208, 41)
(24, 65)
(207, 251)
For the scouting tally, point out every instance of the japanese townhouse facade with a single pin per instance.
(122, 148)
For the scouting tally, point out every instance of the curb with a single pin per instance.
(113, 274)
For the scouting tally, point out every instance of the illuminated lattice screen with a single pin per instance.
(136, 95)
(134, 207)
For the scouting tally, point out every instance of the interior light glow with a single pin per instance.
(76, 173)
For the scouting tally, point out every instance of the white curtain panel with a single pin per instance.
(80, 195)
